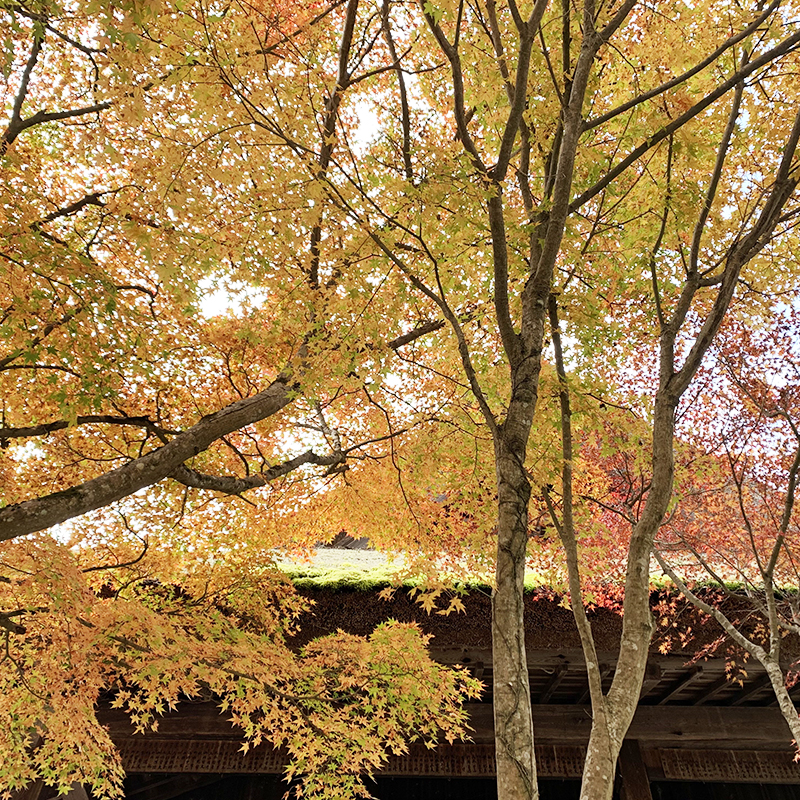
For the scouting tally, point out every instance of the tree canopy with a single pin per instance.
(452, 275)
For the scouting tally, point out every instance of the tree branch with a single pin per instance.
(405, 111)
(92, 199)
(421, 329)
(43, 512)
(742, 252)
(722, 153)
(231, 485)
(671, 84)
(88, 419)
(786, 46)
(15, 123)
(329, 129)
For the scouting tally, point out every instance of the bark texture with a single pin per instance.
(516, 762)
(43, 512)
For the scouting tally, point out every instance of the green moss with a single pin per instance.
(335, 578)
(369, 571)
(341, 569)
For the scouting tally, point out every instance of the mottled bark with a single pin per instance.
(612, 713)
(787, 707)
(516, 762)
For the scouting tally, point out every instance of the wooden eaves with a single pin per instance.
(699, 719)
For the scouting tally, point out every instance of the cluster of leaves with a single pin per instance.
(338, 707)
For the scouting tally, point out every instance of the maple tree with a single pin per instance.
(391, 359)
(109, 357)
(734, 527)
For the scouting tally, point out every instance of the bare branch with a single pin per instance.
(450, 316)
(15, 129)
(421, 329)
(235, 486)
(329, 128)
(46, 428)
(713, 611)
(660, 237)
(93, 199)
(722, 153)
(14, 124)
(405, 111)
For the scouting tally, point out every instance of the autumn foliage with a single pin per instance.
(493, 284)
(338, 707)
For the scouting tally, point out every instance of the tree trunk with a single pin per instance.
(778, 681)
(612, 714)
(601, 758)
(513, 721)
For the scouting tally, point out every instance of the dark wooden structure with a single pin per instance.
(695, 725)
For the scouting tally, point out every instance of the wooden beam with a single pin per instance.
(751, 691)
(476, 669)
(634, 783)
(469, 761)
(759, 727)
(658, 726)
(167, 787)
(722, 765)
(549, 659)
(558, 675)
(684, 682)
(712, 691)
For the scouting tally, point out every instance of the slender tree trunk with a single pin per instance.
(613, 713)
(778, 681)
(601, 757)
(516, 762)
